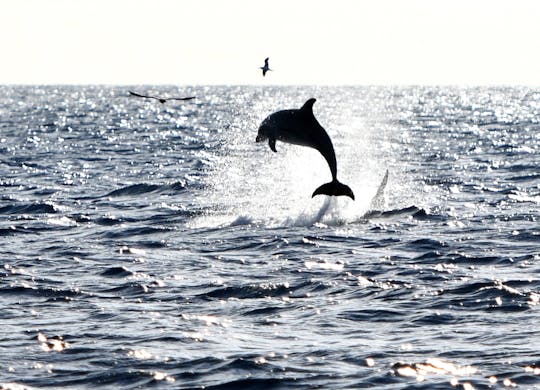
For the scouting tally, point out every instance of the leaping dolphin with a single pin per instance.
(299, 127)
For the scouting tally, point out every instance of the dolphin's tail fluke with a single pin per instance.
(334, 188)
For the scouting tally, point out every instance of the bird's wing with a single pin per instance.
(143, 96)
(136, 94)
(266, 61)
(182, 98)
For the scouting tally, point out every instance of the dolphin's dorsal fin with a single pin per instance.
(308, 106)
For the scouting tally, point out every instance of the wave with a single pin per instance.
(112, 221)
(243, 220)
(143, 188)
(13, 230)
(48, 292)
(32, 208)
(412, 211)
(117, 272)
(330, 213)
(136, 231)
(248, 292)
(510, 296)
(320, 211)
(525, 178)
(255, 383)
(523, 197)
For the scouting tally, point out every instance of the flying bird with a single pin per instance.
(266, 67)
(160, 99)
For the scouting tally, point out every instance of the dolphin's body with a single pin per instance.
(299, 127)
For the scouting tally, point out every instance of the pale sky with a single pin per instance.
(464, 42)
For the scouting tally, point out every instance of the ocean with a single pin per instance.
(148, 245)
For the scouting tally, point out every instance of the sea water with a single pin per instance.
(157, 245)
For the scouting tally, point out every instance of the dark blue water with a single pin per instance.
(149, 245)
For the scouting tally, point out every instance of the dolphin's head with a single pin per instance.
(262, 135)
(267, 132)
(266, 129)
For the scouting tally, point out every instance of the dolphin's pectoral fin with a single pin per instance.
(272, 144)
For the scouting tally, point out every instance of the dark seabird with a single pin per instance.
(266, 67)
(161, 100)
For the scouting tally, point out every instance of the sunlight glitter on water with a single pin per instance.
(13, 386)
(208, 320)
(435, 366)
(324, 264)
(162, 376)
(140, 354)
(56, 344)
(534, 370)
(448, 265)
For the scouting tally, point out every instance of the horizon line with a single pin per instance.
(452, 85)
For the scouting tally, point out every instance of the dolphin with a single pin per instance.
(299, 127)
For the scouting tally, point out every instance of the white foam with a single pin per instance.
(248, 184)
